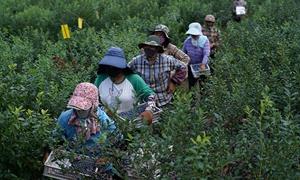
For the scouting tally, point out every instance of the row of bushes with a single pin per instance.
(245, 123)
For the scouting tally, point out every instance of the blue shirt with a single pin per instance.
(69, 131)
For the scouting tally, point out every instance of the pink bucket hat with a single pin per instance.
(84, 97)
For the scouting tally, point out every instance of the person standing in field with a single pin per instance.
(162, 31)
(85, 124)
(197, 47)
(239, 9)
(155, 68)
(120, 89)
(212, 32)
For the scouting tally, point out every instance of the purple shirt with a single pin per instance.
(197, 54)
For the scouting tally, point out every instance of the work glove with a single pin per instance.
(147, 116)
(202, 67)
(171, 87)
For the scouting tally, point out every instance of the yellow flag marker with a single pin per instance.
(97, 14)
(65, 31)
(80, 22)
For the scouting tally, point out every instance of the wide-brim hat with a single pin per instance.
(194, 29)
(154, 41)
(161, 28)
(114, 57)
(210, 18)
(79, 103)
(84, 97)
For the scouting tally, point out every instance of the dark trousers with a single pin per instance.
(193, 81)
(237, 18)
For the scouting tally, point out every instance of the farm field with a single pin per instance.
(243, 124)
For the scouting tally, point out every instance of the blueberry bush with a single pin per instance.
(243, 124)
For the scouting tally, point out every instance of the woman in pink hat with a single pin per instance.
(86, 126)
(84, 118)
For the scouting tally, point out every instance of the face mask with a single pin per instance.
(112, 74)
(162, 39)
(195, 37)
(209, 24)
(83, 114)
(194, 42)
(150, 52)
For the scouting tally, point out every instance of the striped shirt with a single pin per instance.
(197, 54)
(157, 75)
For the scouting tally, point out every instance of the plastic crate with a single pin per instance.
(52, 168)
(240, 10)
(84, 166)
(195, 68)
